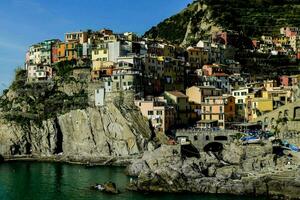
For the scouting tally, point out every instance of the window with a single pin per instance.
(240, 101)
(129, 83)
(221, 117)
(115, 77)
(210, 108)
(244, 93)
(159, 112)
(105, 52)
(150, 112)
(221, 109)
(195, 137)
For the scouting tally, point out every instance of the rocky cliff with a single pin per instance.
(239, 170)
(58, 120)
(90, 134)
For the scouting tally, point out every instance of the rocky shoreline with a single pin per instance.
(103, 161)
(238, 170)
(252, 170)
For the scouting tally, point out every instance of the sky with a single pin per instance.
(25, 22)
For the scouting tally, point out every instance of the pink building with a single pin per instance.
(161, 116)
(210, 70)
(255, 43)
(289, 80)
(289, 31)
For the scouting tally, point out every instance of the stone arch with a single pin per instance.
(296, 113)
(195, 137)
(207, 137)
(221, 138)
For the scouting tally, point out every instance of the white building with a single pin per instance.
(99, 97)
(38, 73)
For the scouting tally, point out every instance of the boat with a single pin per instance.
(250, 140)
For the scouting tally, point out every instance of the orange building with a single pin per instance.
(60, 50)
(55, 49)
(218, 108)
(73, 50)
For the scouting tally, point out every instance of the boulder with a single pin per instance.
(247, 173)
(110, 188)
(136, 168)
(233, 153)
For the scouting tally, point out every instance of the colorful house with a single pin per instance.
(181, 105)
(211, 70)
(161, 116)
(197, 57)
(220, 108)
(197, 94)
(40, 72)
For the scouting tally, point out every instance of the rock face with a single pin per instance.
(250, 170)
(79, 135)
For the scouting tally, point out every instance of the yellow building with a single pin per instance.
(197, 94)
(80, 37)
(197, 57)
(73, 50)
(278, 96)
(255, 107)
(154, 66)
(181, 105)
(173, 75)
(101, 68)
(169, 51)
(100, 53)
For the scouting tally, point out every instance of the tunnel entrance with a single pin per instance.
(213, 147)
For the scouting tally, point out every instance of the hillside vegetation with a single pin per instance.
(252, 17)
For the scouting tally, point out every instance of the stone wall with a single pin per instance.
(201, 138)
